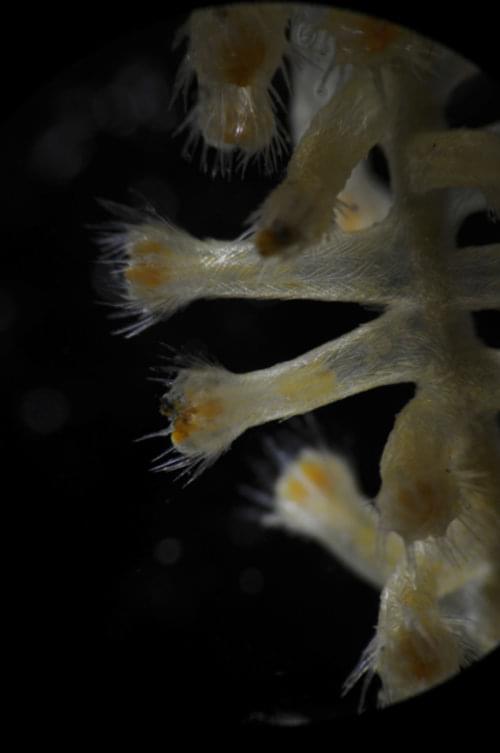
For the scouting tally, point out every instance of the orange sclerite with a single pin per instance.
(195, 417)
(378, 34)
(314, 473)
(147, 268)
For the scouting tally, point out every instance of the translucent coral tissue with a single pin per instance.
(430, 539)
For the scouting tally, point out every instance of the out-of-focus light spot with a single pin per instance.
(168, 551)
(44, 410)
(137, 96)
(245, 531)
(62, 151)
(8, 310)
(251, 581)
(279, 719)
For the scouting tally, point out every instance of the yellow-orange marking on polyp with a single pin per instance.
(146, 269)
(317, 475)
(274, 239)
(417, 657)
(412, 598)
(348, 216)
(195, 418)
(309, 381)
(148, 247)
(146, 275)
(295, 490)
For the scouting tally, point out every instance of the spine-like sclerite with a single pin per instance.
(430, 540)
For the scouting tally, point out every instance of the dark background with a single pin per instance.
(143, 598)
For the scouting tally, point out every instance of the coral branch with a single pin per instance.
(210, 406)
(164, 269)
(446, 159)
(476, 276)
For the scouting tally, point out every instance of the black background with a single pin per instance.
(246, 625)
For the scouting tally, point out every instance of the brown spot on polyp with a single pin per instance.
(193, 418)
(276, 238)
(242, 58)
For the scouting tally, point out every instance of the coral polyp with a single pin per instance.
(430, 540)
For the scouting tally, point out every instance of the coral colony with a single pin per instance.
(330, 231)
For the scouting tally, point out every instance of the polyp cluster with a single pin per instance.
(430, 541)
